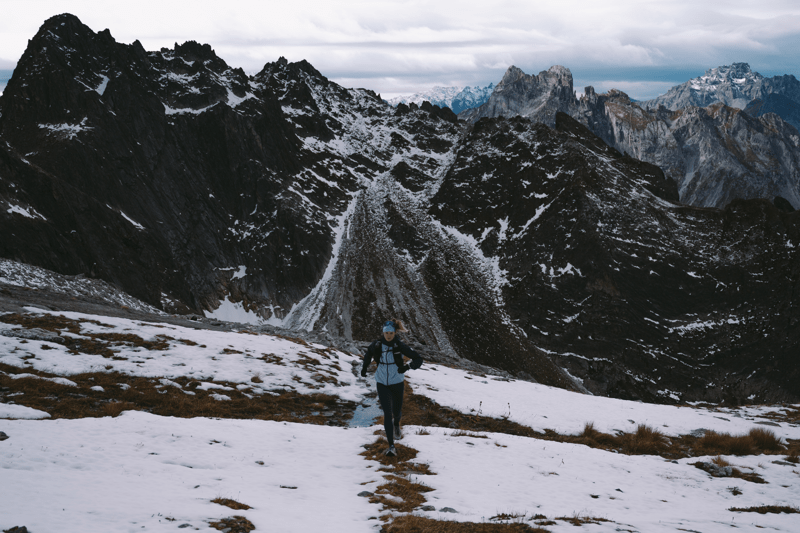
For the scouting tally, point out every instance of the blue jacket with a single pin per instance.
(389, 356)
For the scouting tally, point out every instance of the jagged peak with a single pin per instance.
(194, 51)
(512, 74)
(283, 65)
(617, 94)
(559, 70)
(65, 26)
(738, 70)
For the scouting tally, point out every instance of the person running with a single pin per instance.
(388, 352)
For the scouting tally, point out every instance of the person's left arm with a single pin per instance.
(416, 359)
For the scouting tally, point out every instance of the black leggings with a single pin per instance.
(391, 398)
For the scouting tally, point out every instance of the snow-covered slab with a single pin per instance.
(20, 412)
(141, 472)
(204, 355)
(229, 311)
(24, 275)
(541, 407)
(482, 478)
(66, 130)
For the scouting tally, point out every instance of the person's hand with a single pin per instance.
(403, 369)
(416, 364)
(363, 374)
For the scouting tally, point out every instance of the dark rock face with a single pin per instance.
(640, 297)
(184, 182)
(787, 109)
(715, 154)
(138, 164)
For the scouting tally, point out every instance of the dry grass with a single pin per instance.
(89, 343)
(233, 504)
(422, 411)
(398, 494)
(578, 520)
(757, 441)
(462, 433)
(145, 394)
(418, 524)
(645, 441)
(233, 524)
(404, 495)
(764, 509)
(507, 516)
(402, 462)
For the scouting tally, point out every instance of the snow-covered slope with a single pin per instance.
(441, 96)
(31, 277)
(144, 472)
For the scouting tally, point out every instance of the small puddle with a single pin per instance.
(366, 413)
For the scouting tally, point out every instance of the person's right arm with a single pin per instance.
(367, 360)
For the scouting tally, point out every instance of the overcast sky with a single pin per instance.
(399, 47)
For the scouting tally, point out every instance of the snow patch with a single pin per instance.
(28, 212)
(229, 311)
(101, 88)
(67, 131)
(20, 412)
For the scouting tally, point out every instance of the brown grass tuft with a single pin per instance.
(418, 524)
(757, 441)
(398, 464)
(578, 520)
(720, 461)
(764, 509)
(646, 441)
(233, 524)
(410, 494)
(765, 439)
(233, 504)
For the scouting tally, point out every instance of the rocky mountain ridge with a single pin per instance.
(508, 243)
(734, 85)
(715, 154)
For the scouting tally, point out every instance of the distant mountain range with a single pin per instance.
(715, 153)
(735, 86)
(458, 99)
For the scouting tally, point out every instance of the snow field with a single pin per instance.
(541, 407)
(133, 472)
(481, 478)
(209, 356)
